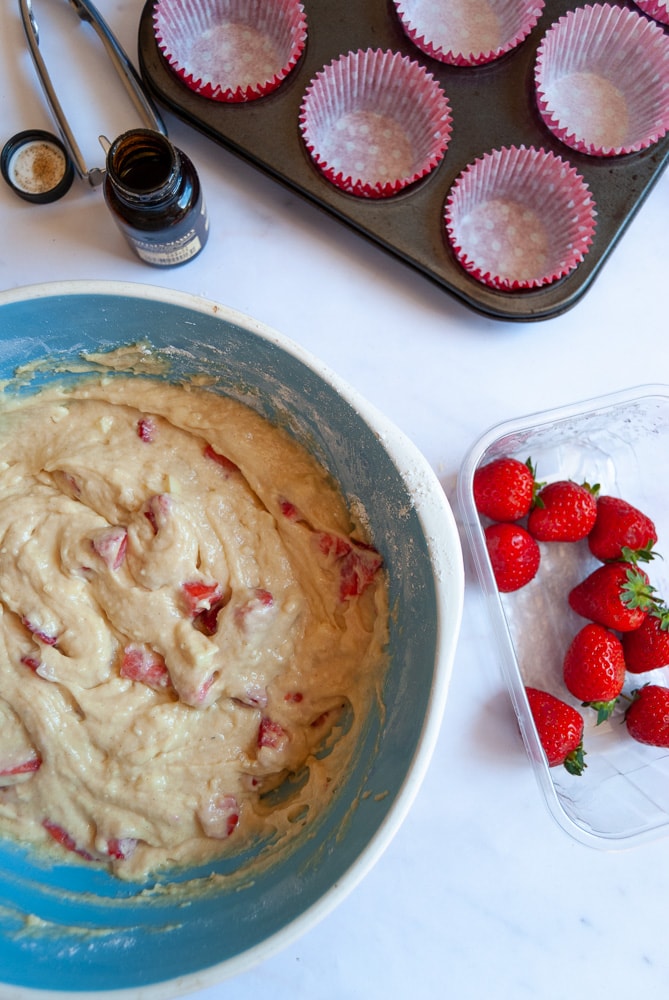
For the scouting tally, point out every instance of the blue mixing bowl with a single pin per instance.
(71, 928)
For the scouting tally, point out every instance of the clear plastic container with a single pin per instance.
(620, 441)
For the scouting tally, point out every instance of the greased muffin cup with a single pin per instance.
(519, 218)
(231, 50)
(374, 122)
(468, 32)
(602, 80)
(657, 9)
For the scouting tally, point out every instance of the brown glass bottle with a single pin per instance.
(154, 194)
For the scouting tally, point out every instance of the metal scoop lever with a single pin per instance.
(126, 71)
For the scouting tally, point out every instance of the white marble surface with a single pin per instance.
(480, 893)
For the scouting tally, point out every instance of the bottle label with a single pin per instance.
(168, 254)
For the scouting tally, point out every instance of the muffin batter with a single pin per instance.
(190, 619)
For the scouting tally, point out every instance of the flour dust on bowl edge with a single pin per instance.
(617, 441)
(77, 929)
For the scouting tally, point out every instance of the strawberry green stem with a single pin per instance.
(604, 709)
(574, 762)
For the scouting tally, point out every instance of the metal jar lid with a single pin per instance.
(36, 166)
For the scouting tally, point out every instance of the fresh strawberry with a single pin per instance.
(254, 695)
(617, 595)
(143, 664)
(330, 715)
(111, 545)
(514, 555)
(357, 562)
(65, 839)
(31, 661)
(199, 595)
(258, 605)
(225, 463)
(118, 848)
(203, 601)
(199, 696)
(19, 758)
(647, 647)
(594, 669)
(158, 510)
(206, 621)
(358, 569)
(647, 717)
(504, 489)
(291, 512)
(620, 530)
(121, 848)
(271, 734)
(43, 633)
(13, 771)
(560, 729)
(219, 817)
(563, 511)
(146, 429)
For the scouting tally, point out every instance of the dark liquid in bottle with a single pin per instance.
(145, 170)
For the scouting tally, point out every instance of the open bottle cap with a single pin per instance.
(36, 166)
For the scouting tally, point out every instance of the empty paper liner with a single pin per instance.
(468, 32)
(230, 50)
(602, 78)
(374, 122)
(520, 218)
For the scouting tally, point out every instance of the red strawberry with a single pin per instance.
(504, 489)
(65, 840)
(271, 734)
(618, 595)
(248, 615)
(121, 848)
(220, 817)
(514, 555)
(146, 429)
(647, 718)
(143, 664)
(357, 562)
(563, 511)
(111, 545)
(226, 464)
(199, 595)
(619, 527)
(647, 647)
(560, 729)
(13, 771)
(158, 510)
(19, 758)
(44, 634)
(594, 668)
(204, 601)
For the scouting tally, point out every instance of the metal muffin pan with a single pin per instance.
(493, 105)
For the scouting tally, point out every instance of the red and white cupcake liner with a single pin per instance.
(374, 122)
(468, 32)
(519, 218)
(231, 50)
(602, 80)
(657, 9)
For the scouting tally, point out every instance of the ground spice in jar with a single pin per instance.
(38, 167)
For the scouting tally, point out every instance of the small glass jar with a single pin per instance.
(153, 192)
